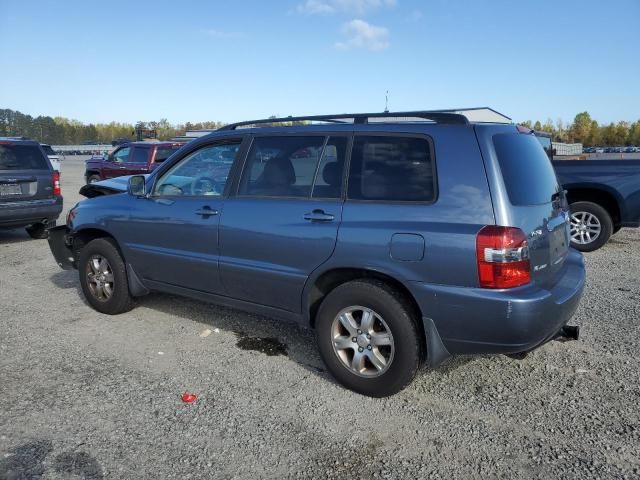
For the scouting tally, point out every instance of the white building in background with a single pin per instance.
(567, 148)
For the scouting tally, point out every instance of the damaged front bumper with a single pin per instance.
(60, 243)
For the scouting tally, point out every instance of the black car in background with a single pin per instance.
(30, 193)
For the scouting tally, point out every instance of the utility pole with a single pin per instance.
(386, 102)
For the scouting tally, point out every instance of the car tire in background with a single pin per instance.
(93, 179)
(38, 231)
(103, 277)
(591, 226)
(368, 337)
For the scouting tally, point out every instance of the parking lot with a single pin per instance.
(95, 396)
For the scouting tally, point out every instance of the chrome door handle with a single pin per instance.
(206, 212)
(318, 216)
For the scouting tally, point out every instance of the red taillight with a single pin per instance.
(503, 257)
(56, 184)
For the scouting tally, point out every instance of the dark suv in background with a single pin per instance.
(402, 238)
(30, 193)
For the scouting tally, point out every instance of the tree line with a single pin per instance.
(587, 131)
(64, 131)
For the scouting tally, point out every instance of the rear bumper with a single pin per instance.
(474, 320)
(23, 213)
(60, 245)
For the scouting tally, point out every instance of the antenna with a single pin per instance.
(386, 102)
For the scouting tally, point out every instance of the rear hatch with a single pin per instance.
(538, 203)
(25, 172)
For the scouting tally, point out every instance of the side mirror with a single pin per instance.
(136, 186)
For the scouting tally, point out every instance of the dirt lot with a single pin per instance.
(84, 395)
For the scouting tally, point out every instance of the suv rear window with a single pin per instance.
(389, 168)
(526, 170)
(22, 157)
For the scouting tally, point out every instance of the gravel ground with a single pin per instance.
(86, 395)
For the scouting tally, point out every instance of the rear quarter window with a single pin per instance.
(390, 168)
(48, 150)
(526, 170)
(22, 157)
(165, 152)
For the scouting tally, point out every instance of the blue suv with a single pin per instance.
(401, 238)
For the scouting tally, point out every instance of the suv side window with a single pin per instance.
(392, 168)
(121, 155)
(282, 166)
(295, 166)
(140, 155)
(202, 172)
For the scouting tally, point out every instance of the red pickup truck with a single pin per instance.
(129, 159)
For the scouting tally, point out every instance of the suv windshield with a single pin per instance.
(526, 169)
(22, 157)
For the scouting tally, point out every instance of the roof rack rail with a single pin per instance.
(461, 116)
(359, 118)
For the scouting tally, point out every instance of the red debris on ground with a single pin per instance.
(188, 397)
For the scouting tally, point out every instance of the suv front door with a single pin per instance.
(116, 164)
(138, 162)
(284, 220)
(174, 235)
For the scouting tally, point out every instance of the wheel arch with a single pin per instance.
(84, 236)
(324, 282)
(598, 195)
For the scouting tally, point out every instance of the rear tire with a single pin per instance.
(595, 223)
(393, 350)
(38, 231)
(103, 277)
(93, 179)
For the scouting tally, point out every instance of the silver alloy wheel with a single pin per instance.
(362, 341)
(100, 277)
(585, 227)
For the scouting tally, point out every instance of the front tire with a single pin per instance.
(103, 277)
(591, 226)
(368, 338)
(93, 179)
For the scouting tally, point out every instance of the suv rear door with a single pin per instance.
(25, 172)
(284, 220)
(527, 195)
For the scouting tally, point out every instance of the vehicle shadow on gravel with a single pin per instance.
(65, 279)
(253, 332)
(7, 237)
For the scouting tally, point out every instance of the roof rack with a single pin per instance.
(461, 116)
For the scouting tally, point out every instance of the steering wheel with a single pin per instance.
(204, 185)
(170, 189)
